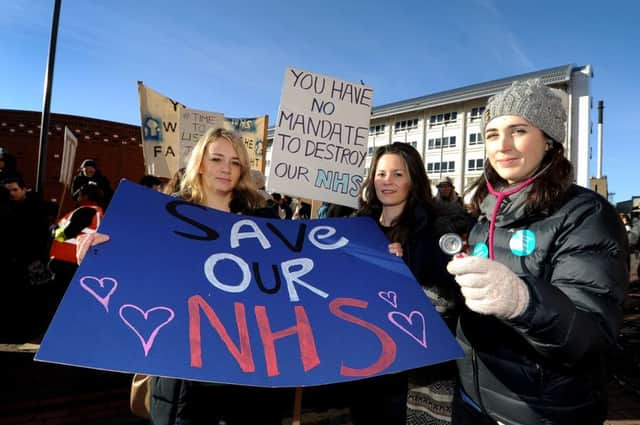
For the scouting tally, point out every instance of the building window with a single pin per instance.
(445, 118)
(445, 142)
(441, 167)
(405, 125)
(475, 139)
(475, 164)
(476, 113)
(376, 129)
(370, 150)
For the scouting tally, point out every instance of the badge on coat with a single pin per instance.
(522, 243)
(480, 250)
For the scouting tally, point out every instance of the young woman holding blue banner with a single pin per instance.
(217, 176)
(544, 286)
(397, 194)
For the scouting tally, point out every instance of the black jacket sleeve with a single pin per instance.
(580, 310)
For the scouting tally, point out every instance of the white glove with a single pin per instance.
(489, 287)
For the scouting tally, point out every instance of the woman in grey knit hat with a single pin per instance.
(543, 285)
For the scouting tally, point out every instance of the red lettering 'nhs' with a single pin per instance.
(242, 351)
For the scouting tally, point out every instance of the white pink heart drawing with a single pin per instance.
(146, 343)
(91, 284)
(419, 325)
(389, 296)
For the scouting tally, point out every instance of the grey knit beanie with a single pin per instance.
(532, 101)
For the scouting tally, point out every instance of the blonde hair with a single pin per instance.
(173, 185)
(245, 195)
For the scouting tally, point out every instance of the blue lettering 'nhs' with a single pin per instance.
(241, 124)
(338, 182)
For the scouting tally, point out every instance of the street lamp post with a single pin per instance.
(46, 102)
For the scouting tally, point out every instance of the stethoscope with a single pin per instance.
(452, 243)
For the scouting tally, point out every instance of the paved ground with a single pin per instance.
(35, 393)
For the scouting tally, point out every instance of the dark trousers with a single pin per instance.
(380, 400)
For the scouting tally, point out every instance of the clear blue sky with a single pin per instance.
(230, 57)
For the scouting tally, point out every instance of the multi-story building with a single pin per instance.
(446, 129)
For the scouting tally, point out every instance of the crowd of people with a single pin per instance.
(535, 301)
(631, 224)
(38, 251)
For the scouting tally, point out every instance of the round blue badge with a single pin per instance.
(523, 242)
(480, 250)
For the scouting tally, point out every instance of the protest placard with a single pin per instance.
(69, 149)
(159, 125)
(193, 124)
(184, 291)
(320, 138)
(254, 133)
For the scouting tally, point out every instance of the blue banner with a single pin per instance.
(185, 291)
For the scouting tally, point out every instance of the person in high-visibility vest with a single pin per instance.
(82, 220)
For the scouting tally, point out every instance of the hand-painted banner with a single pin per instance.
(320, 139)
(193, 124)
(68, 157)
(185, 291)
(159, 124)
(253, 132)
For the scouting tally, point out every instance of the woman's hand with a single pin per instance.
(395, 248)
(489, 287)
(86, 241)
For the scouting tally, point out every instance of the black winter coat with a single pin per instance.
(548, 366)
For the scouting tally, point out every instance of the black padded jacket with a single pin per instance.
(549, 365)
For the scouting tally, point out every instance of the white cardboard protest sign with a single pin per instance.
(320, 138)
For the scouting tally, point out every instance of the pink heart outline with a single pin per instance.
(102, 300)
(389, 296)
(409, 319)
(146, 345)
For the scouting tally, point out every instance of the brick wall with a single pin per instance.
(115, 146)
